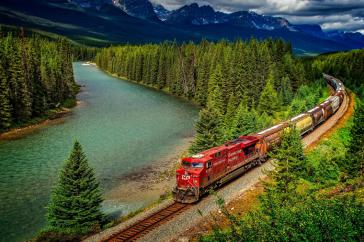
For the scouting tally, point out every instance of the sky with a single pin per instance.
(345, 15)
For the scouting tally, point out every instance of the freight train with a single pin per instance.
(216, 166)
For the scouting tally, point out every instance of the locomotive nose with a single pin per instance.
(187, 189)
(188, 178)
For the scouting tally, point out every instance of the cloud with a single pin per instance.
(330, 14)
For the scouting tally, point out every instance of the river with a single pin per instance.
(122, 126)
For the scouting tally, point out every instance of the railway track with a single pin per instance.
(142, 227)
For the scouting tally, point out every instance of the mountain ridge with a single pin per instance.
(104, 22)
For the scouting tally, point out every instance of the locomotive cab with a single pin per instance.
(188, 178)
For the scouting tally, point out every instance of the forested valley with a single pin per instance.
(347, 66)
(242, 86)
(35, 76)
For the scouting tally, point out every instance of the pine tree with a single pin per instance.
(230, 111)
(18, 82)
(354, 163)
(243, 123)
(201, 81)
(289, 162)
(209, 130)
(76, 200)
(162, 76)
(214, 98)
(286, 93)
(5, 107)
(262, 121)
(268, 101)
(38, 90)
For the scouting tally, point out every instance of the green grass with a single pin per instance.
(325, 158)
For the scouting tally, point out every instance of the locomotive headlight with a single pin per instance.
(195, 181)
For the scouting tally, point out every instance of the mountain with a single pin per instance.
(203, 15)
(195, 15)
(105, 22)
(142, 9)
(355, 40)
(93, 4)
(311, 29)
(100, 26)
(137, 8)
(161, 12)
(254, 20)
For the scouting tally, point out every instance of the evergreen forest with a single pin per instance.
(314, 195)
(241, 86)
(347, 66)
(35, 76)
(244, 87)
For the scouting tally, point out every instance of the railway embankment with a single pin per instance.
(248, 200)
(191, 222)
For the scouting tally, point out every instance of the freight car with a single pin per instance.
(216, 166)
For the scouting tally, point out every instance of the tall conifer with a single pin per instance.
(230, 111)
(76, 200)
(243, 123)
(290, 164)
(209, 130)
(268, 101)
(215, 98)
(5, 107)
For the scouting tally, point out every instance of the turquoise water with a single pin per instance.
(121, 125)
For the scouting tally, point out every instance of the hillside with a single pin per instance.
(104, 23)
(95, 27)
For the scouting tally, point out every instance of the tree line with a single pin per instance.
(347, 66)
(240, 68)
(35, 76)
(242, 86)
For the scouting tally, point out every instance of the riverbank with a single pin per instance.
(153, 183)
(54, 116)
(164, 90)
(123, 127)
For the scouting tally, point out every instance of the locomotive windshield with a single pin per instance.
(197, 165)
(188, 165)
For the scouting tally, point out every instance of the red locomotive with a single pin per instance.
(216, 166)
